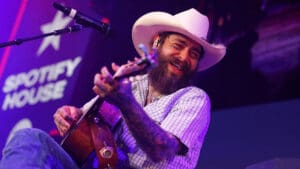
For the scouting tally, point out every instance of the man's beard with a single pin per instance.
(165, 82)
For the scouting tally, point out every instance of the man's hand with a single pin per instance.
(64, 117)
(110, 89)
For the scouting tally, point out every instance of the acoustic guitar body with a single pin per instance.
(91, 135)
(91, 132)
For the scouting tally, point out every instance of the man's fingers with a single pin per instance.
(106, 76)
(115, 67)
(97, 79)
(66, 116)
(62, 125)
(74, 114)
(104, 71)
(99, 91)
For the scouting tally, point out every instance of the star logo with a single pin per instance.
(59, 22)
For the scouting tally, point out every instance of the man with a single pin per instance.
(164, 117)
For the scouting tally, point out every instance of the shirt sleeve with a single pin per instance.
(189, 118)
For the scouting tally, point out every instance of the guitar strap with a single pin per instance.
(104, 145)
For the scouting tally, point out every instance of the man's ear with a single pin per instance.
(156, 42)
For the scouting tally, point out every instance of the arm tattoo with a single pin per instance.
(157, 143)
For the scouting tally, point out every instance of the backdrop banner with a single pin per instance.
(38, 76)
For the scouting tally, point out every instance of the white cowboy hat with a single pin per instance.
(190, 23)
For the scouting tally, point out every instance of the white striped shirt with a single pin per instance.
(184, 113)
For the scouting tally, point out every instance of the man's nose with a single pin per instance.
(184, 54)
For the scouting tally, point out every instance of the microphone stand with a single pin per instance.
(74, 28)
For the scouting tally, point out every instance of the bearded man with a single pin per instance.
(163, 117)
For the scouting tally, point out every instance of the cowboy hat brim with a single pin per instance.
(149, 25)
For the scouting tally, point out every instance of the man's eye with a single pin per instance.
(195, 55)
(177, 46)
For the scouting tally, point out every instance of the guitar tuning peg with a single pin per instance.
(143, 48)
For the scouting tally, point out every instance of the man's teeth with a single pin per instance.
(177, 66)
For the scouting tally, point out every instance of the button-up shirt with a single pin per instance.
(184, 113)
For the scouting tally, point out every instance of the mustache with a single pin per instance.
(182, 65)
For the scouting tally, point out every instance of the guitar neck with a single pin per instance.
(126, 71)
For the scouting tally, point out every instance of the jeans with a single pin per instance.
(35, 149)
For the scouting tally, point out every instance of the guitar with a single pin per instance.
(91, 133)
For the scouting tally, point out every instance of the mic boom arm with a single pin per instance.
(102, 25)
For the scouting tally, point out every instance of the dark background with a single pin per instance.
(239, 79)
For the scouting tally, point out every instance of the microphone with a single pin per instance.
(102, 25)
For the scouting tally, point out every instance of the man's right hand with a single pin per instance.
(64, 117)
